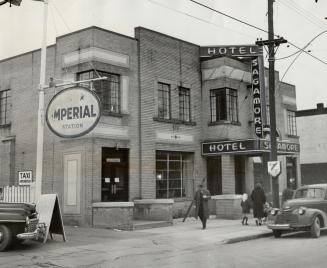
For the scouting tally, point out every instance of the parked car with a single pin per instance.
(19, 222)
(306, 211)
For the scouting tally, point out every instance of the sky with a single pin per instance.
(298, 21)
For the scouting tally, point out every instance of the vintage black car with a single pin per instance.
(19, 222)
(306, 211)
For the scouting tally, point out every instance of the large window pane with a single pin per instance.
(174, 174)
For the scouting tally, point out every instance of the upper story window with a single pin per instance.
(223, 105)
(184, 104)
(291, 123)
(5, 107)
(108, 90)
(164, 107)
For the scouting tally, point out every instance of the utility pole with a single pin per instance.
(40, 118)
(272, 43)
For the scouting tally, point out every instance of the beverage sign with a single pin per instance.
(257, 118)
(236, 51)
(25, 177)
(73, 112)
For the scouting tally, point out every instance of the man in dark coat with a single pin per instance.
(259, 199)
(201, 205)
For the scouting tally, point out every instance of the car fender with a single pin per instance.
(309, 215)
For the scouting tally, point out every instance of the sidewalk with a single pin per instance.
(218, 231)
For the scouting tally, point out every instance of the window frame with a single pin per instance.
(229, 98)
(291, 122)
(184, 97)
(113, 85)
(5, 97)
(167, 104)
(173, 162)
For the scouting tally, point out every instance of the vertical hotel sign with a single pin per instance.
(257, 109)
(256, 54)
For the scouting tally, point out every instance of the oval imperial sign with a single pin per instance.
(73, 112)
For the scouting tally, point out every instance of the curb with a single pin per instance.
(246, 238)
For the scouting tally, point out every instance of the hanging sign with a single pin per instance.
(73, 112)
(257, 109)
(236, 51)
(274, 168)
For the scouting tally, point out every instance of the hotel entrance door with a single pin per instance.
(114, 185)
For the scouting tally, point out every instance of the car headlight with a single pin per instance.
(27, 221)
(301, 210)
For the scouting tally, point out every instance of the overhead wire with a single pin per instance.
(62, 18)
(197, 18)
(309, 43)
(309, 16)
(255, 27)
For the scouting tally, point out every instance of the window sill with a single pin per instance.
(5, 125)
(224, 123)
(113, 114)
(174, 121)
(292, 136)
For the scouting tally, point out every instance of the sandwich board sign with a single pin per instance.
(49, 213)
(274, 168)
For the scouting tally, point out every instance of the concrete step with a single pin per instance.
(141, 225)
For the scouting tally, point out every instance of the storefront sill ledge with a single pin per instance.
(153, 201)
(112, 204)
(226, 197)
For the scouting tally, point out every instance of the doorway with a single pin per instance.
(214, 178)
(239, 174)
(114, 182)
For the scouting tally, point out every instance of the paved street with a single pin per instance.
(181, 245)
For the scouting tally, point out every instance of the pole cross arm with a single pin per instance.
(276, 42)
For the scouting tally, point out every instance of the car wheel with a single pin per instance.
(315, 228)
(277, 233)
(5, 237)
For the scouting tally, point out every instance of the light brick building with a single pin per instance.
(313, 131)
(159, 105)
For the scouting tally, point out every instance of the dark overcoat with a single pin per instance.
(246, 206)
(201, 203)
(258, 199)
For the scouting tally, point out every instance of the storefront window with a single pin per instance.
(174, 173)
(223, 105)
(291, 123)
(108, 90)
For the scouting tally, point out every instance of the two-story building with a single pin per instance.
(162, 104)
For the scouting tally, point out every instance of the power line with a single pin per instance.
(255, 27)
(303, 12)
(199, 19)
(300, 51)
(62, 18)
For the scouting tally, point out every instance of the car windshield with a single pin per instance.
(310, 193)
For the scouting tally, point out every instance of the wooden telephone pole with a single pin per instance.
(272, 43)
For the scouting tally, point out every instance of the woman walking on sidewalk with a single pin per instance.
(201, 205)
(259, 199)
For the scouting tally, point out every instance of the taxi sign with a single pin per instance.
(274, 168)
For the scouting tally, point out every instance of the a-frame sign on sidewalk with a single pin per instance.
(49, 213)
